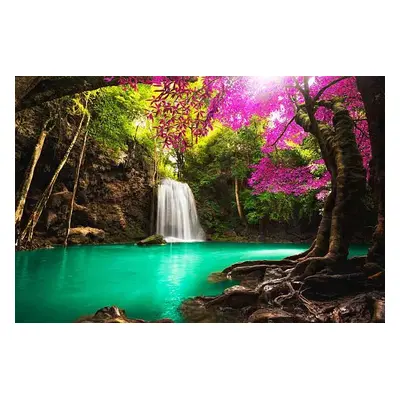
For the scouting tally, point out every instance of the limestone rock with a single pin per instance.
(82, 235)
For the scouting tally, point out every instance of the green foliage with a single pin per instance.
(165, 166)
(211, 166)
(225, 153)
(298, 155)
(279, 207)
(119, 115)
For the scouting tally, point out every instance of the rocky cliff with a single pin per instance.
(114, 192)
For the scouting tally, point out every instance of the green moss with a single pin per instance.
(153, 239)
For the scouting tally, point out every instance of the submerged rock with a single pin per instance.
(115, 314)
(216, 277)
(154, 239)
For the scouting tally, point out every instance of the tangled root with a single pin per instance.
(317, 289)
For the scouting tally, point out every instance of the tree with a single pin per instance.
(85, 112)
(27, 233)
(372, 89)
(327, 108)
(23, 191)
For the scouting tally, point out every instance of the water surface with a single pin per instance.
(60, 285)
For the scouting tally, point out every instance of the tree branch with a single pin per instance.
(283, 132)
(363, 133)
(54, 87)
(334, 82)
(298, 87)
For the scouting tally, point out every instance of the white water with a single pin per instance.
(177, 217)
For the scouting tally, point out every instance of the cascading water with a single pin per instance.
(176, 213)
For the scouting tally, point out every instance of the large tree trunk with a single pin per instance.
(372, 89)
(41, 204)
(77, 172)
(342, 207)
(23, 191)
(238, 204)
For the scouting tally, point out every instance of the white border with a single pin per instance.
(188, 361)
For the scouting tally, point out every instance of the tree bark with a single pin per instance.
(180, 162)
(55, 87)
(350, 181)
(41, 204)
(153, 193)
(372, 89)
(23, 85)
(238, 204)
(343, 160)
(23, 192)
(77, 172)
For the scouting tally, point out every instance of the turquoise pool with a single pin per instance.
(60, 285)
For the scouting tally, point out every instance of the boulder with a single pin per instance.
(154, 239)
(271, 315)
(194, 310)
(82, 235)
(114, 314)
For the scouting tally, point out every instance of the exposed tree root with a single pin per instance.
(270, 292)
(312, 265)
(264, 263)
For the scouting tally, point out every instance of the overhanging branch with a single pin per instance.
(283, 132)
(55, 87)
(334, 82)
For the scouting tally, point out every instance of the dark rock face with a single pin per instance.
(114, 193)
(154, 239)
(114, 314)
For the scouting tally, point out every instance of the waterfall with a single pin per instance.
(176, 213)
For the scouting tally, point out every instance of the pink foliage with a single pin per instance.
(274, 98)
(235, 100)
(270, 177)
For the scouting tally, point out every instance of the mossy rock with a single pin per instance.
(154, 239)
(114, 314)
